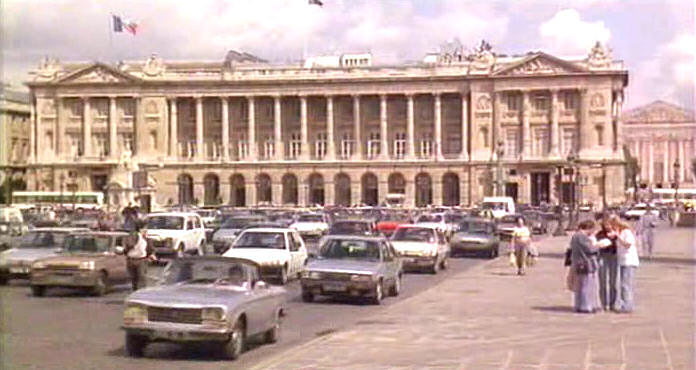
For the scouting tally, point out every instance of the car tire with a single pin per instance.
(135, 345)
(38, 290)
(307, 296)
(273, 334)
(378, 293)
(234, 346)
(396, 288)
(492, 253)
(101, 286)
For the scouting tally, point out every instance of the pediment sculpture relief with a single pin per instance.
(97, 74)
(537, 66)
(599, 57)
(154, 66)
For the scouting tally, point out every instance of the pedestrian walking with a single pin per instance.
(645, 230)
(608, 272)
(627, 253)
(138, 254)
(521, 240)
(584, 264)
(129, 217)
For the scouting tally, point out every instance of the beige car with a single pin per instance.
(88, 261)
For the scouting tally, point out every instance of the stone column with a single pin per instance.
(410, 128)
(225, 106)
(32, 131)
(40, 145)
(437, 110)
(586, 133)
(278, 129)
(173, 128)
(496, 133)
(59, 145)
(304, 145)
(651, 160)
(252, 131)
(682, 163)
(86, 128)
(199, 127)
(383, 133)
(554, 137)
(465, 127)
(357, 128)
(526, 134)
(666, 173)
(331, 148)
(113, 128)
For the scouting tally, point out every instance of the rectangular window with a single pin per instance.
(426, 146)
(569, 100)
(400, 145)
(295, 145)
(568, 141)
(347, 146)
(320, 145)
(373, 145)
(512, 143)
(269, 148)
(75, 107)
(243, 148)
(128, 107)
(540, 102)
(541, 142)
(101, 145)
(512, 101)
(600, 135)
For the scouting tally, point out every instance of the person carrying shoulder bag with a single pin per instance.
(138, 254)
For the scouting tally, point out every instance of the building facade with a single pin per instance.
(245, 132)
(660, 135)
(14, 132)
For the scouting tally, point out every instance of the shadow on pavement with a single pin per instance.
(565, 309)
(658, 259)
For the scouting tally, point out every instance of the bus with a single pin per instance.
(78, 199)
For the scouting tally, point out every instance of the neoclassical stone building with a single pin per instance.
(247, 132)
(659, 135)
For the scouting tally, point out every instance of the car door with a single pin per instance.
(388, 263)
(300, 254)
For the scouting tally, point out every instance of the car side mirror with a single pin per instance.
(119, 250)
(261, 285)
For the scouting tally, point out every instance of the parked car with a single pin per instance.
(175, 233)
(88, 261)
(230, 228)
(640, 209)
(476, 235)
(536, 222)
(208, 215)
(353, 227)
(15, 263)
(353, 266)
(434, 220)
(421, 246)
(311, 226)
(204, 299)
(391, 220)
(280, 252)
(507, 225)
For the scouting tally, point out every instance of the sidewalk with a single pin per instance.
(490, 318)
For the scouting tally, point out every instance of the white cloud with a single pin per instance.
(566, 33)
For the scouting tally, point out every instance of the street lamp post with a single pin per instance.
(676, 166)
(559, 210)
(572, 221)
(500, 151)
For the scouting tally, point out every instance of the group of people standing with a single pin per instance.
(602, 266)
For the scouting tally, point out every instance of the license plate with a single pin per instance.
(19, 270)
(62, 278)
(334, 287)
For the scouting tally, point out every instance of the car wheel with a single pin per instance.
(135, 345)
(273, 334)
(235, 345)
(284, 275)
(100, 286)
(38, 290)
(378, 294)
(492, 253)
(396, 288)
(307, 296)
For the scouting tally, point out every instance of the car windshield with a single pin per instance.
(42, 239)
(253, 239)
(430, 218)
(232, 273)
(493, 206)
(414, 234)
(203, 213)
(236, 223)
(165, 222)
(453, 218)
(475, 227)
(394, 217)
(350, 249)
(87, 244)
(310, 218)
(508, 220)
(349, 228)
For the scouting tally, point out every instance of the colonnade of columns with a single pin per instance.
(650, 151)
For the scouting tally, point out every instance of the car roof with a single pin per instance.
(356, 237)
(60, 229)
(220, 259)
(268, 229)
(419, 226)
(104, 233)
(478, 219)
(179, 214)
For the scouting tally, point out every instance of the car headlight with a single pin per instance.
(361, 277)
(38, 265)
(213, 314)
(87, 265)
(134, 313)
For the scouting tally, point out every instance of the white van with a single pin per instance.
(499, 206)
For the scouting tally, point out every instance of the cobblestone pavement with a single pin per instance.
(490, 318)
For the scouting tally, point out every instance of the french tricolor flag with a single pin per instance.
(121, 24)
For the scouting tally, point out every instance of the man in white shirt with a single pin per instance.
(138, 255)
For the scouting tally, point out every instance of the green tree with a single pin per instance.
(10, 185)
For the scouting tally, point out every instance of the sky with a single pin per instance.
(655, 38)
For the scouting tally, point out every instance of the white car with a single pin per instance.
(421, 247)
(208, 215)
(640, 209)
(176, 233)
(311, 225)
(435, 220)
(280, 252)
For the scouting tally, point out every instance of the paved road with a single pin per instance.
(71, 330)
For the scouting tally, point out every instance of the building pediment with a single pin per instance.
(539, 64)
(658, 112)
(97, 73)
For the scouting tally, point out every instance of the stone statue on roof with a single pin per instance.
(599, 56)
(482, 58)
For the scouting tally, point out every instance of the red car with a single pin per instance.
(391, 220)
